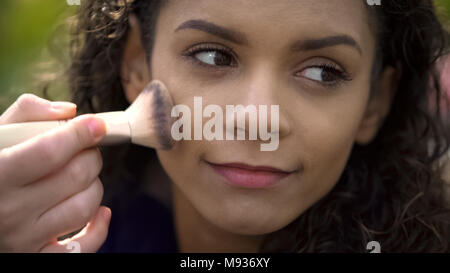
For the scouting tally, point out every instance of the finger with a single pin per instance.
(29, 107)
(89, 240)
(72, 214)
(31, 160)
(75, 177)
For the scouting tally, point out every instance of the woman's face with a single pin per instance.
(312, 58)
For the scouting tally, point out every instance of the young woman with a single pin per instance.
(358, 140)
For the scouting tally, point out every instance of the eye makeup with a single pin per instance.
(207, 53)
(216, 57)
(328, 74)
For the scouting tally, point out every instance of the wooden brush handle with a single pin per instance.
(117, 129)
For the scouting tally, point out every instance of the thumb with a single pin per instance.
(88, 240)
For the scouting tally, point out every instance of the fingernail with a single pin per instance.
(97, 128)
(107, 214)
(63, 105)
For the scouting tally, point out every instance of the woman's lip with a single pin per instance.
(251, 168)
(246, 176)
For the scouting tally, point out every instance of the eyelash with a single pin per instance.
(330, 67)
(191, 52)
(334, 69)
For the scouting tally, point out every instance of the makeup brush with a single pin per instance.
(146, 122)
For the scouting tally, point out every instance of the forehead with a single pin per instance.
(281, 18)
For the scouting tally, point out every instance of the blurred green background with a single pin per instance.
(34, 44)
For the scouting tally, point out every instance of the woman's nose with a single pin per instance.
(263, 90)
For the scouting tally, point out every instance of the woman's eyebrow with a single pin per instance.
(222, 32)
(315, 44)
(240, 38)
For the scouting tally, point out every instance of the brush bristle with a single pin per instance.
(150, 118)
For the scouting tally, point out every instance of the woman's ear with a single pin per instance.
(379, 105)
(135, 72)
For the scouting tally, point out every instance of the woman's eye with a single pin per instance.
(320, 74)
(214, 57)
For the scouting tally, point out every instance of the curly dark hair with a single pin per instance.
(391, 190)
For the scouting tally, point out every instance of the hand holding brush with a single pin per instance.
(49, 184)
(146, 122)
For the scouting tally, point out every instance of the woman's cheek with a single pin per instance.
(180, 162)
(328, 143)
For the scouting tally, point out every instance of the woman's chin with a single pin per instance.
(247, 223)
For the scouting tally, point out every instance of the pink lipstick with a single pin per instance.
(246, 176)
